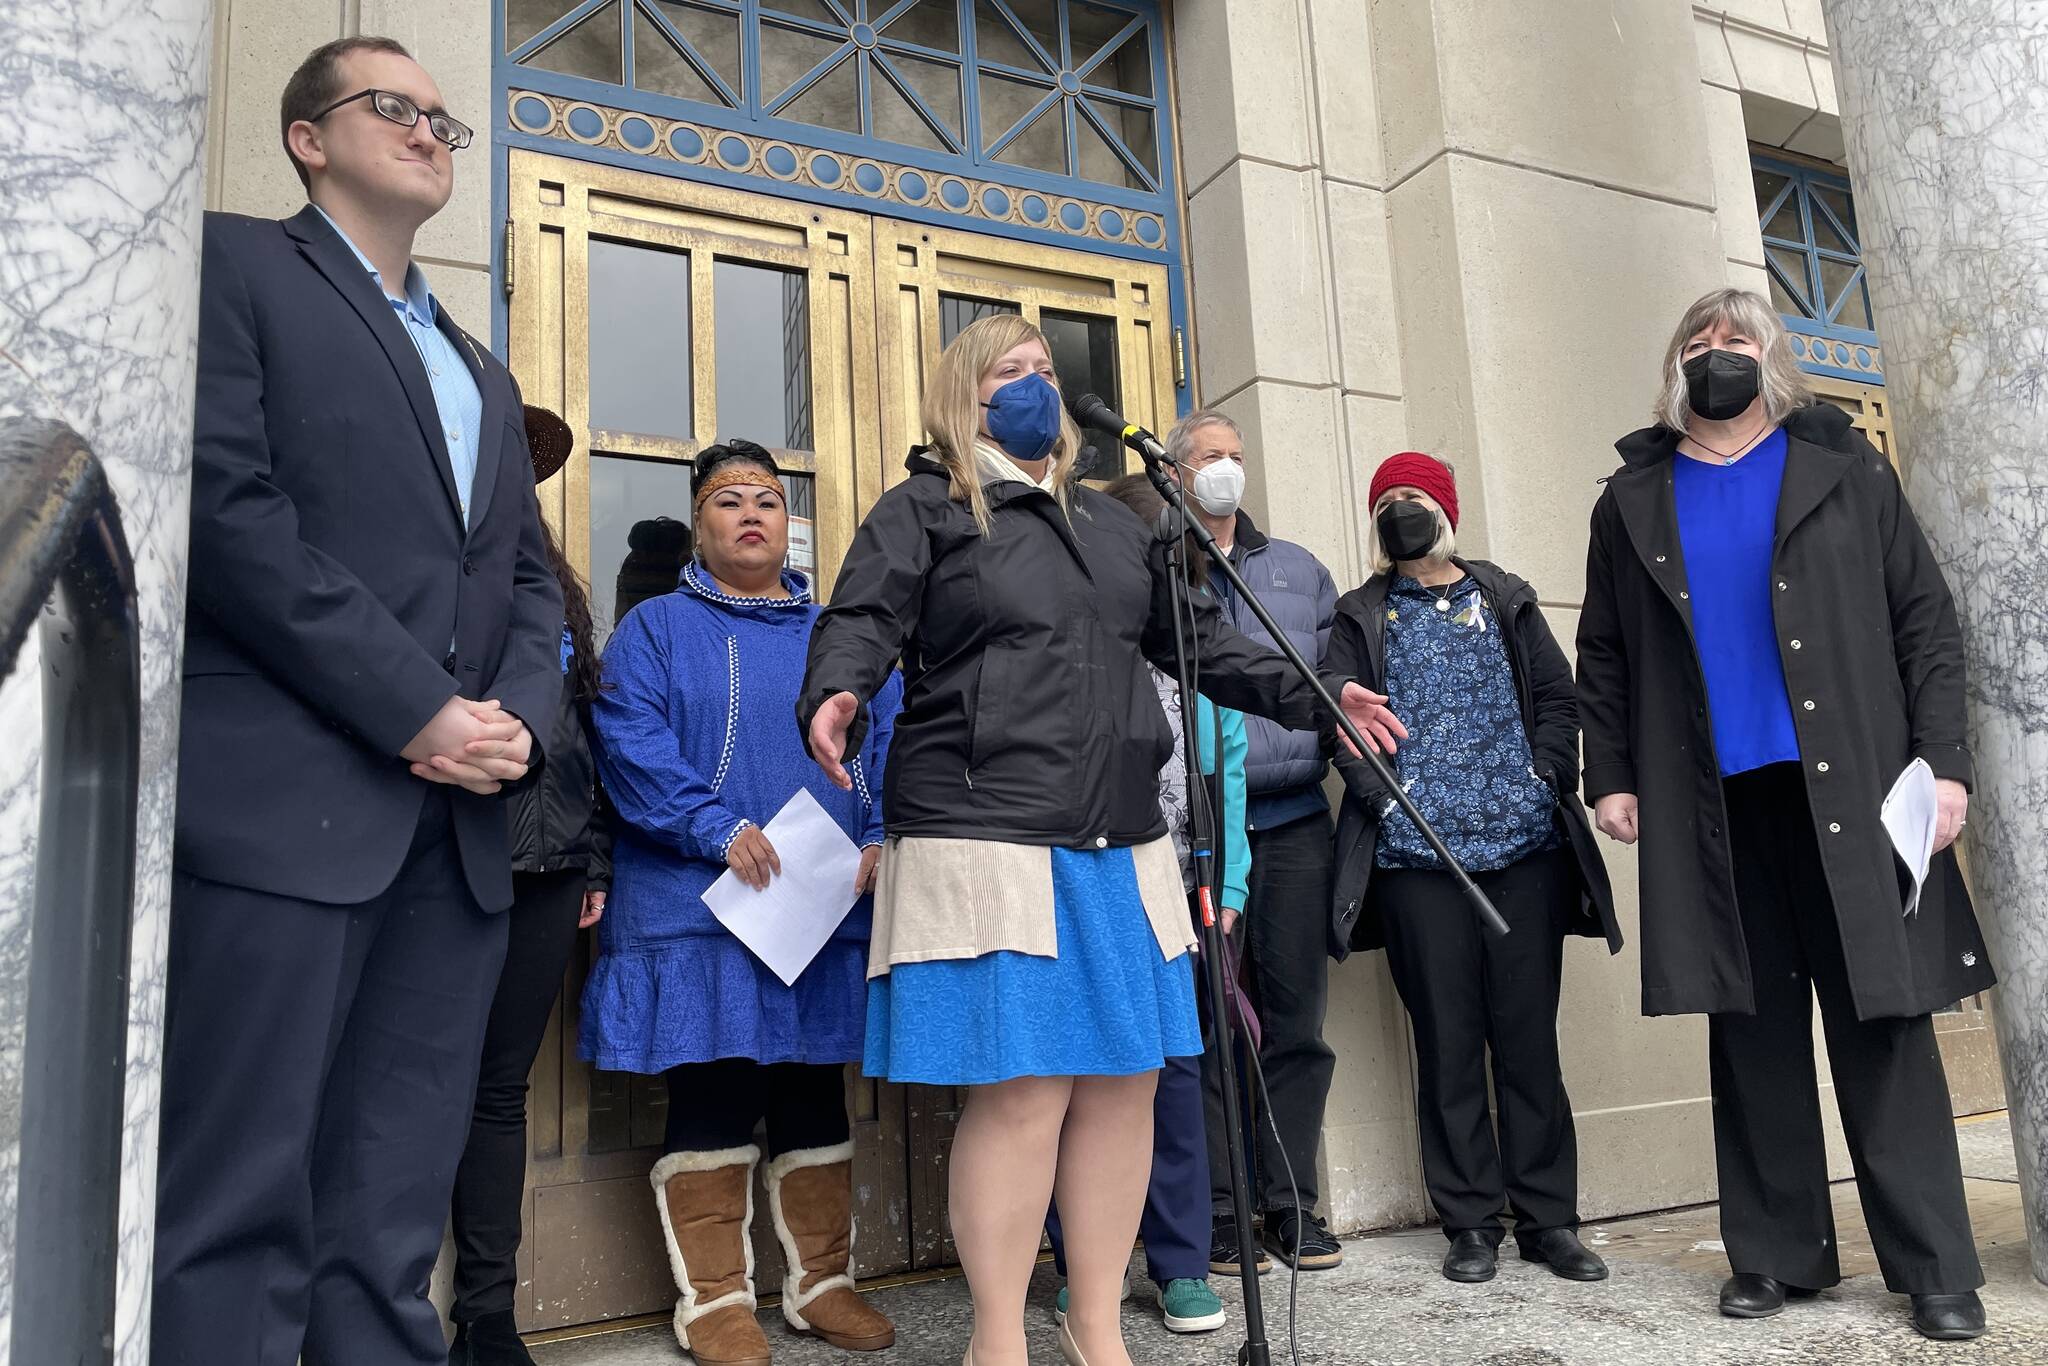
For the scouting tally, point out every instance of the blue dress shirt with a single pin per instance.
(457, 400)
(1728, 526)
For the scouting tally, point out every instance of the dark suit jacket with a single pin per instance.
(330, 569)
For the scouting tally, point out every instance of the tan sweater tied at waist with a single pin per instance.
(953, 898)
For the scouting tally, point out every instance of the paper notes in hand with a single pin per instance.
(788, 921)
(1910, 813)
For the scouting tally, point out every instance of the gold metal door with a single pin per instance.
(657, 315)
(1107, 319)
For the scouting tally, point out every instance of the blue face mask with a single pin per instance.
(1024, 417)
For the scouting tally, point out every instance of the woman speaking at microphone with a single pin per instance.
(1031, 939)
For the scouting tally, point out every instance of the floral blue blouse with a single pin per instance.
(1466, 760)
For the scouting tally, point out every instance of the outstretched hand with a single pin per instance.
(1368, 711)
(828, 737)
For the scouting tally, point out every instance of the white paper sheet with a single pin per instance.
(1910, 812)
(788, 921)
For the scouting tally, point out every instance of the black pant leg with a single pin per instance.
(1539, 1150)
(713, 1106)
(1438, 965)
(1770, 1151)
(806, 1106)
(396, 1110)
(1894, 1099)
(1289, 915)
(257, 986)
(490, 1182)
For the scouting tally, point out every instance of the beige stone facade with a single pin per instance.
(1460, 226)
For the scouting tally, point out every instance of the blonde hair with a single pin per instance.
(1781, 381)
(1442, 548)
(952, 409)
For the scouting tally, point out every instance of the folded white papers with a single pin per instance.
(1910, 812)
(788, 921)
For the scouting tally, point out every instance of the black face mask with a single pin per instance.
(1407, 530)
(1721, 384)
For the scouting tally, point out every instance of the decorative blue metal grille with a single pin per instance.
(1060, 96)
(1813, 254)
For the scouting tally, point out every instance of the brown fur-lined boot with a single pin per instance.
(706, 1202)
(810, 1196)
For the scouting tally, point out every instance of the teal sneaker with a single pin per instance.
(1190, 1306)
(1059, 1305)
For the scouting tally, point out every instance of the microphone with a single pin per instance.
(1089, 411)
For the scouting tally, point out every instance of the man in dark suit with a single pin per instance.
(371, 623)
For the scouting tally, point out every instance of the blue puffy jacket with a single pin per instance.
(1284, 770)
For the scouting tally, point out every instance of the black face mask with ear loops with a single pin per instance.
(1721, 384)
(1407, 530)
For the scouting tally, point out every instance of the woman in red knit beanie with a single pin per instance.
(1492, 760)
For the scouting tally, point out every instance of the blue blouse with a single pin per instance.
(1727, 527)
(1466, 761)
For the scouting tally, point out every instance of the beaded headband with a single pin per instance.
(732, 476)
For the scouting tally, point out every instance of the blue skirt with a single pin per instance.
(1108, 1005)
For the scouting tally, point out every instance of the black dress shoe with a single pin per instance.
(1746, 1295)
(1562, 1251)
(1949, 1318)
(1471, 1258)
(1225, 1252)
(488, 1340)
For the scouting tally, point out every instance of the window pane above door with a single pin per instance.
(639, 340)
(762, 355)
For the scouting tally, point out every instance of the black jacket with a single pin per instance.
(1873, 661)
(1550, 718)
(1028, 714)
(561, 821)
(330, 569)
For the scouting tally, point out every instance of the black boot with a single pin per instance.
(1561, 1250)
(1949, 1318)
(1747, 1295)
(488, 1340)
(1471, 1259)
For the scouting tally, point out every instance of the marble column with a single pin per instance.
(1945, 118)
(100, 194)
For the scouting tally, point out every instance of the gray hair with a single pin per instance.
(1445, 545)
(1781, 380)
(1181, 440)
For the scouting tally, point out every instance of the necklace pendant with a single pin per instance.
(1443, 604)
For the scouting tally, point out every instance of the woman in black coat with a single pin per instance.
(1492, 759)
(1031, 934)
(561, 871)
(1767, 643)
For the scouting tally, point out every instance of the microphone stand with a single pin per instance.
(1255, 1350)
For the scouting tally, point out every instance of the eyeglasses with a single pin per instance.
(402, 111)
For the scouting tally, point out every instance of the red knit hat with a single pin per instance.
(1413, 469)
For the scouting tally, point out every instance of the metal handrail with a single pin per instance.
(64, 564)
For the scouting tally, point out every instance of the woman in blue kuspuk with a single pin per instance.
(698, 754)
